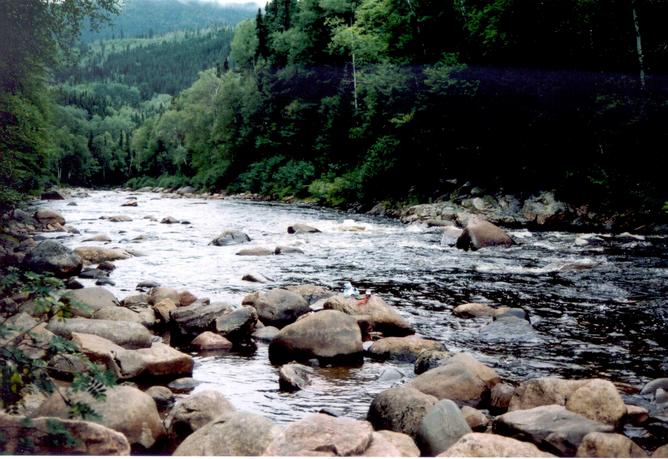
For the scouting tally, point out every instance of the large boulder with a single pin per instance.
(405, 348)
(400, 409)
(47, 216)
(310, 292)
(52, 195)
(277, 307)
(461, 378)
(230, 237)
(237, 324)
(300, 228)
(403, 445)
(492, 445)
(598, 444)
(319, 434)
(85, 302)
(232, 434)
(480, 233)
(130, 335)
(325, 334)
(598, 400)
(189, 321)
(125, 409)
(90, 438)
(195, 411)
(376, 312)
(158, 361)
(441, 427)
(91, 254)
(543, 391)
(551, 427)
(51, 256)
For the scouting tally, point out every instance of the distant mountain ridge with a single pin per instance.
(146, 18)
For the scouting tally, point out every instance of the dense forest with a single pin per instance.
(356, 101)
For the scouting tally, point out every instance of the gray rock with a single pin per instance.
(91, 438)
(277, 307)
(237, 324)
(183, 385)
(190, 321)
(300, 228)
(400, 409)
(504, 312)
(404, 349)
(233, 434)
(104, 281)
(286, 250)
(441, 427)
(376, 312)
(651, 387)
(544, 210)
(125, 409)
(427, 360)
(461, 378)
(51, 256)
(86, 302)
(510, 329)
(323, 335)
(93, 273)
(255, 277)
(52, 195)
(195, 411)
(293, 377)
(479, 234)
(169, 220)
(255, 252)
(161, 395)
(551, 427)
(230, 237)
(129, 335)
(265, 334)
(319, 434)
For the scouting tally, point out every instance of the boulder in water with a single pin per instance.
(480, 233)
(119, 218)
(98, 238)
(429, 359)
(323, 335)
(300, 228)
(377, 313)
(129, 335)
(551, 427)
(400, 409)
(230, 237)
(255, 252)
(277, 307)
(473, 310)
(293, 377)
(598, 400)
(405, 348)
(51, 256)
(52, 195)
(169, 220)
(209, 341)
(94, 255)
(49, 217)
(238, 323)
(543, 391)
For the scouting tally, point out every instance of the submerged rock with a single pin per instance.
(300, 228)
(230, 237)
(293, 377)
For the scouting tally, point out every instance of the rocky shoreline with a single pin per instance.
(453, 406)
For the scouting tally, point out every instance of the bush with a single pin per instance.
(337, 191)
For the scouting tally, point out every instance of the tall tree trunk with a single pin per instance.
(641, 56)
(354, 82)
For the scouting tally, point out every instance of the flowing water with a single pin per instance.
(597, 302)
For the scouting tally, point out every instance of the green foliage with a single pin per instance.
(24, 354)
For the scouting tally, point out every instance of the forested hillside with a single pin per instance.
(356, 101)
(149, 18)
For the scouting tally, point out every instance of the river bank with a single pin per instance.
(572, 311)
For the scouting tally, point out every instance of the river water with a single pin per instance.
(597, 301)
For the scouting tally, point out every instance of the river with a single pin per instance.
(597, 302)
